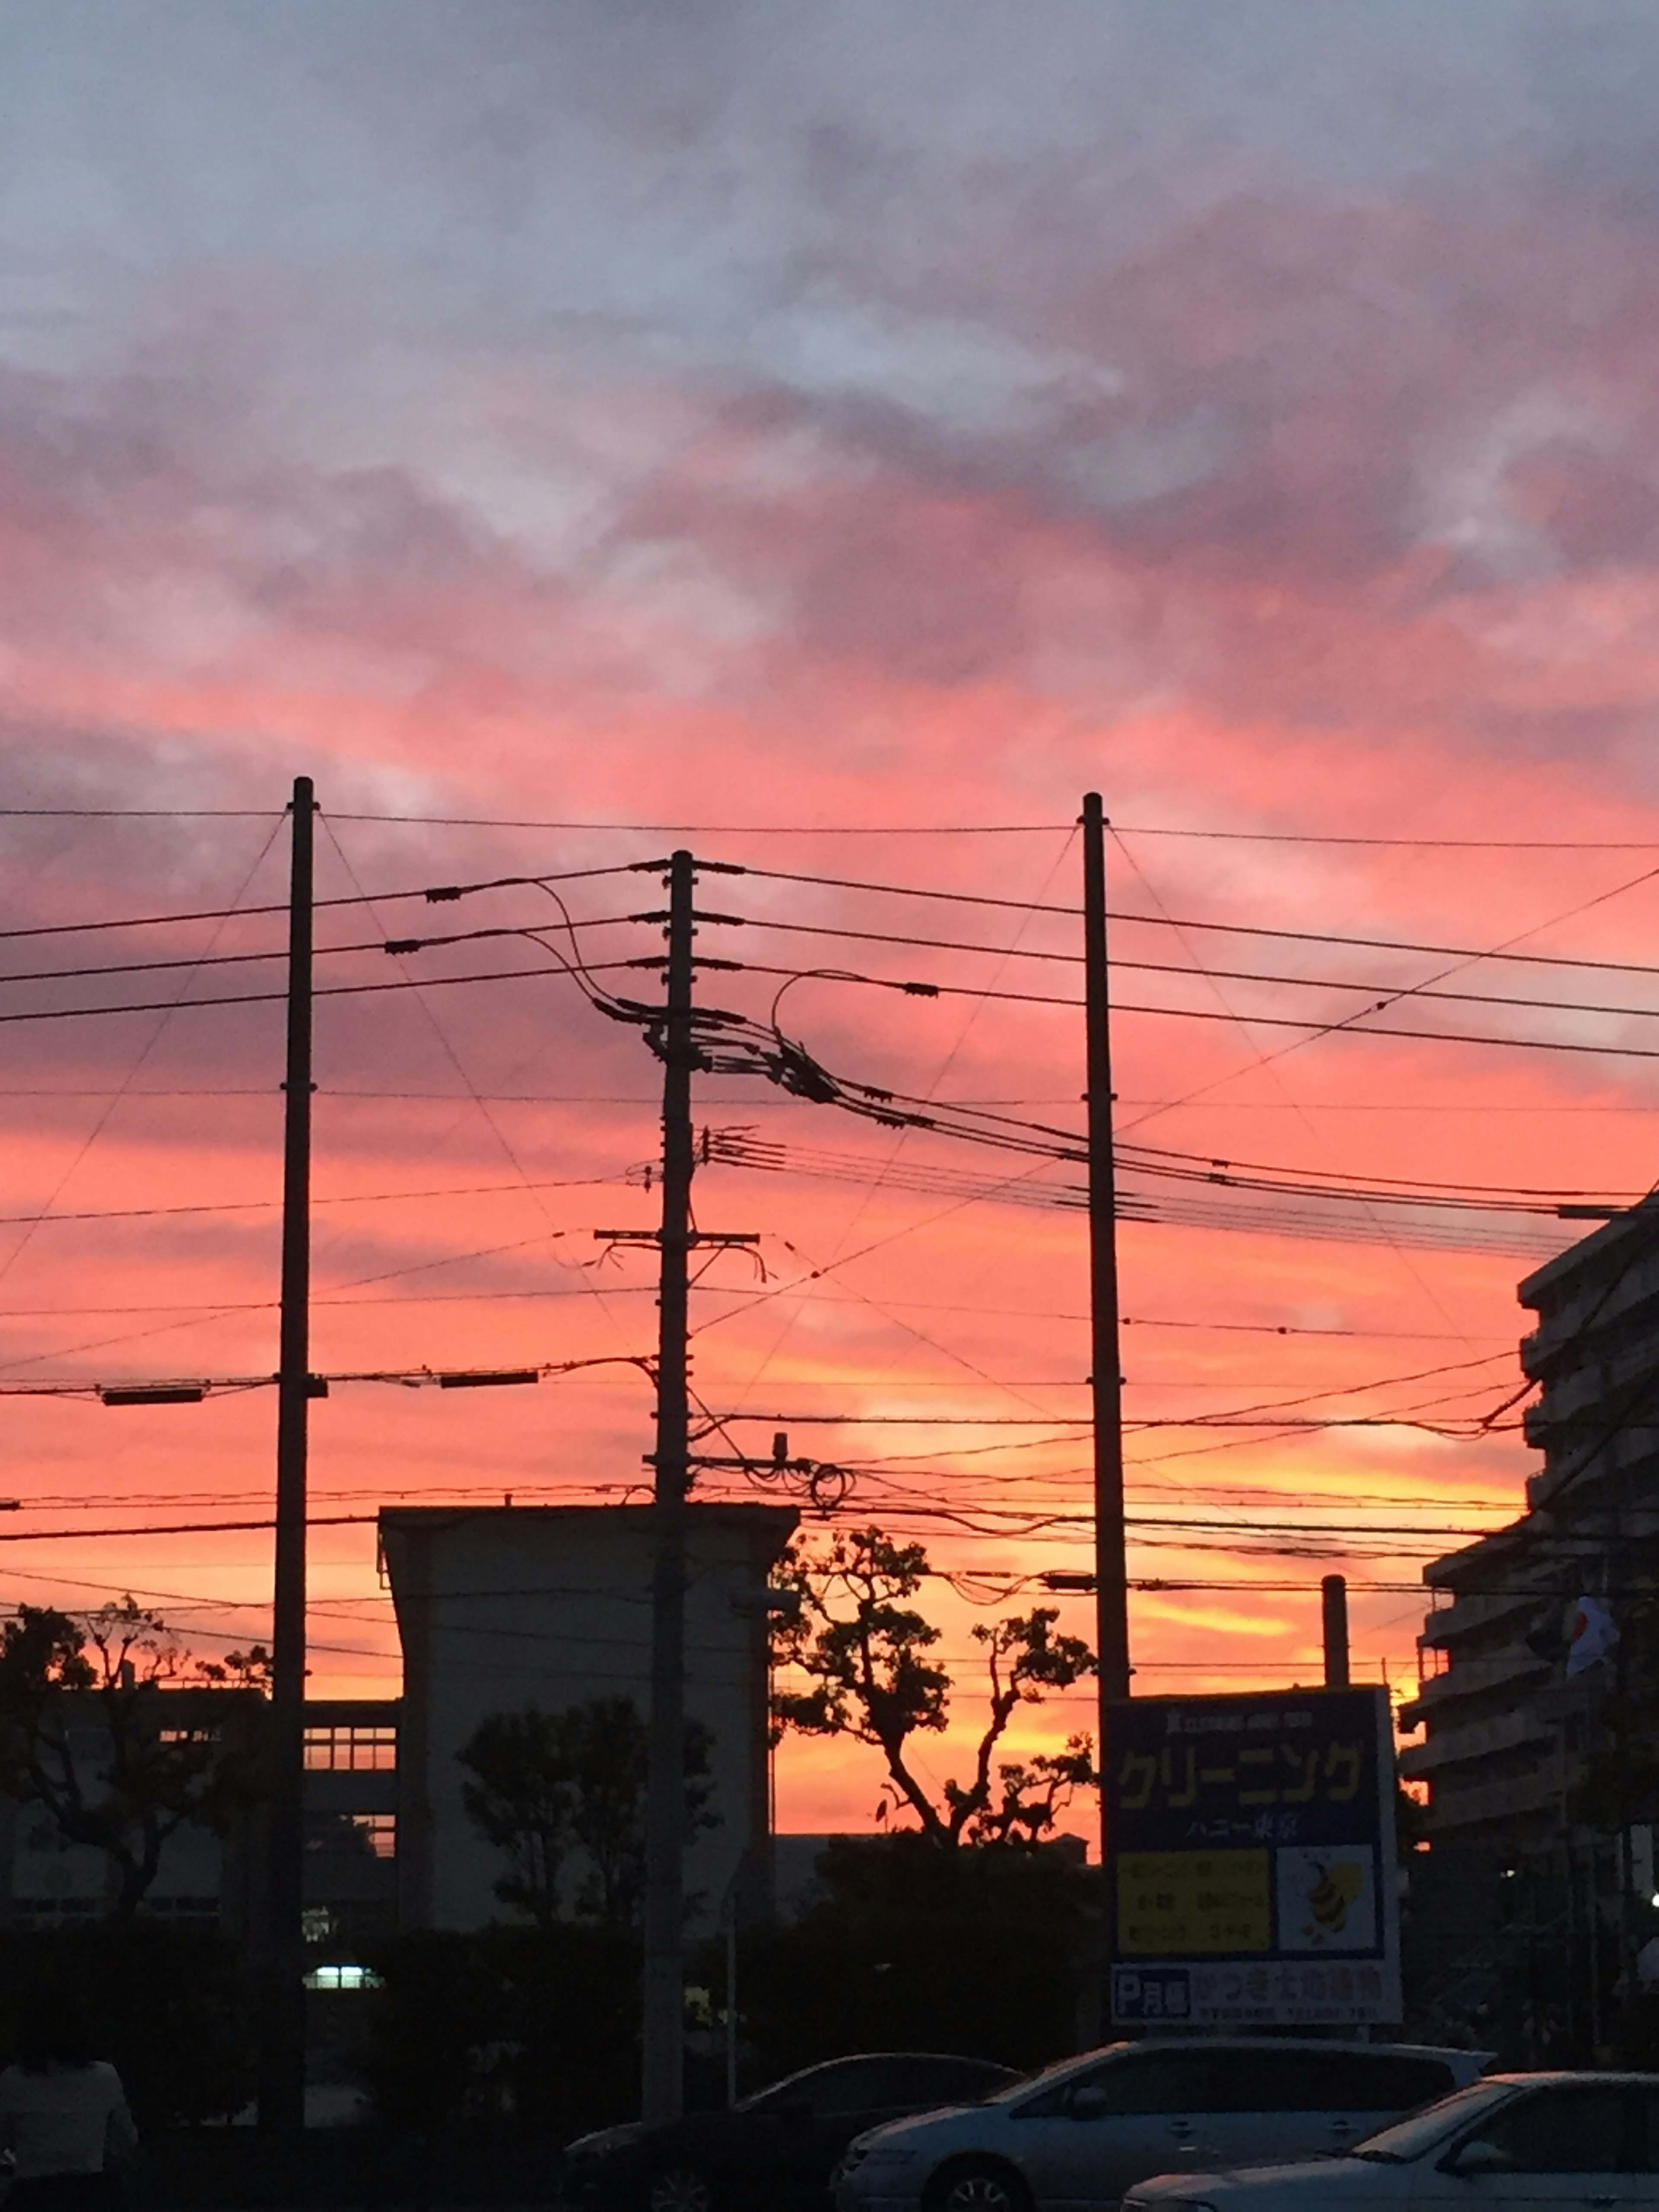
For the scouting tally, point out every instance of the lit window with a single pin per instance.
(342, 1978)
(351, 1749)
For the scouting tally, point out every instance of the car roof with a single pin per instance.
(887, 2057)
(1608, 2074)
(1203, 2041)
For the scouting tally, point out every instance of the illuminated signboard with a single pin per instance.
(1250, 1859)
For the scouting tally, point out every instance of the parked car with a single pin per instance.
(1561, 2142)
(1074, 2139)
(775, 2150)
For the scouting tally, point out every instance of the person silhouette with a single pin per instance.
(62, 2113)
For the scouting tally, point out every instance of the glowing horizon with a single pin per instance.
(876, 434)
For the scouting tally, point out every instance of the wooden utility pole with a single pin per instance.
(281, 2076)
(664, 2023)
(1111, 1566)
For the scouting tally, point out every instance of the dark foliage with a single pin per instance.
(549, 1789)
(163, 1766)
(982, 1951)
(535, 2025)
(169, 2009)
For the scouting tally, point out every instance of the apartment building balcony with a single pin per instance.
(1600, 1305)
(1478, 1609)
(1470, 1804)
(1470, 1678)
(1459, 1744)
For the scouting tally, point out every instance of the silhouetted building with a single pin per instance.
(210, 1879)
(1512, 1738)
(503, 1607)
(498, 1609)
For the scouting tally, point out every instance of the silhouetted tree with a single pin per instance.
(87, 1734)
(543, 1786)
(867, 1653)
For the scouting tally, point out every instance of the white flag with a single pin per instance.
(1593, 1634)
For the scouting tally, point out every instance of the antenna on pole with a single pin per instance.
(281, 2073)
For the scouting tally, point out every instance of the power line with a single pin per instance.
(349, 1198)
(841, 830)
(1029, 1524)
(178, 1389)
(322, 990)
(723, 829)
(1197, 975)
(932, 990)
(372, 945)
(738, 1148)
(432, 894)
(1412, 844)
(1221, 928)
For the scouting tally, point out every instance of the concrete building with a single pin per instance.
(1508, 1737)
(351, 1819)
(500, 1608)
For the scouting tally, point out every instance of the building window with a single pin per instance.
(378, 1830)
(355, 1834)
(342, 1978)
(351, 1749)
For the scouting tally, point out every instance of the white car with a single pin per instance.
(1561, 2142)
(1075, 2138)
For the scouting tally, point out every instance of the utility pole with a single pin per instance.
(1333, 1609)
(664, 2023)
(1111, 1563)
(673, 1039)
(282, 2058)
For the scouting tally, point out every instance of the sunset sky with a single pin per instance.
(834, 438)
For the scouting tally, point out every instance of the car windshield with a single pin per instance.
(1057, 2072)
(867, 2083)
(1426, 2131)
(793, 2088)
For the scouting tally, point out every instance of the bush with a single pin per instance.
(170, 2007)
(976, 1951)
(535, 2025)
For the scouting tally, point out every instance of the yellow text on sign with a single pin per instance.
(1181, 1904)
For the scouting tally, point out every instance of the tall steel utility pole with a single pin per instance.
(664, 2023)
(1111, 1565)
(282, 2058)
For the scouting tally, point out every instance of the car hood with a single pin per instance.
(1241, 2187)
